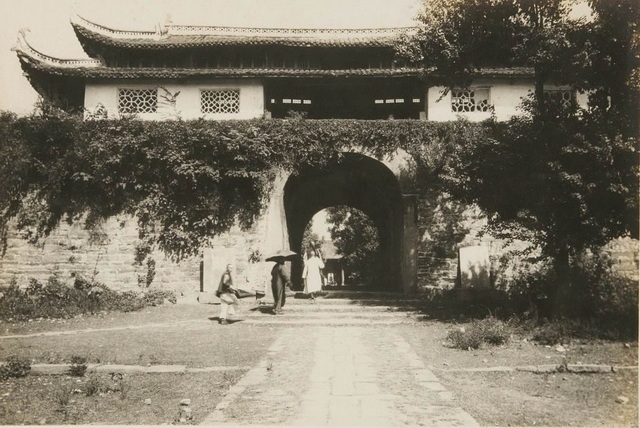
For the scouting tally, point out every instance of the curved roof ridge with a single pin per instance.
(301, 32)
(80, 21)
(24, 48)
(189, 29)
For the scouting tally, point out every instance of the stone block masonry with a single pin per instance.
(108, 256)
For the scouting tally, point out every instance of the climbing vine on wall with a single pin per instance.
(185, 181)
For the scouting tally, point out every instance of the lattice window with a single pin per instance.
(137, 100)
(469, 100)
(220, 101)
(565, 97)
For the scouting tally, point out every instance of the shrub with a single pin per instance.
(58, 300)
(157, 297)
(463, 339)
(490, 331)
(94, 385)
(557, 332)
(602, 294)
(599, 303)
(62, 396)
(78, 366)
(15, 366)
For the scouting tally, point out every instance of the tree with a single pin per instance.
(570, 182)
(565, 178)
(457, 38)
(356, 238)
(613, 66)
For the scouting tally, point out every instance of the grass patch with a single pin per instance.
(180, 334)
(105, 400)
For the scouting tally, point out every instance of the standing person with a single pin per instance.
(312, 274)
(226, 293)
(279, 281)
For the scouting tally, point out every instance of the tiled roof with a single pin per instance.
(31, 59)
(188, 36)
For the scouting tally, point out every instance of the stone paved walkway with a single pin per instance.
(348, 376)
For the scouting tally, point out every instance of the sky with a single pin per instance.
(50, 31)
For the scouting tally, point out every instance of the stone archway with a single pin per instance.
(364, 183)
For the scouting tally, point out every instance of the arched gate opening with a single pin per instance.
(360, 182)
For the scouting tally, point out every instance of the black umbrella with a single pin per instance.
(281, 255)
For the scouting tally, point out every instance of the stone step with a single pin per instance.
(284, 320)
(355, 302)
(322, 307)
(325, 315)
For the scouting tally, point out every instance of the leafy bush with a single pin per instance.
(600, 294)
(157, 297)
(15, 366)
(463, 339)
(58, 300)
(559, 331)
(599, 302)
(490, 330)
(94, 386)
(78, 366)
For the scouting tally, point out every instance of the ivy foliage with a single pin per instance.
(185, 181)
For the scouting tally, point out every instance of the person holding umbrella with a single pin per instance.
(280, 279)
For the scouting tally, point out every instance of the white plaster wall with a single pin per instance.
(505, 95)
(187, 102)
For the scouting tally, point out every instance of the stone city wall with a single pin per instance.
(108, 256)
(443, 272)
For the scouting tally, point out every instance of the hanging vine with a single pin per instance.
(185, 181)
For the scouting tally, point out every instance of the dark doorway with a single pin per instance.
(360, 182)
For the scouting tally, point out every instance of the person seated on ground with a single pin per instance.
(226, 294)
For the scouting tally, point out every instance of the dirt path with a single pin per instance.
(348, 376)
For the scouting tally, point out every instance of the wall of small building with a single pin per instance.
(187, 100)
(506, 95)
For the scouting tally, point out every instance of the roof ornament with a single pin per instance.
(21, 43)
(162, 28)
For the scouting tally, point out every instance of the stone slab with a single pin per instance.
(475, 267)
(49, 369)
(117, 368)
(588, 368)
(166, 369)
